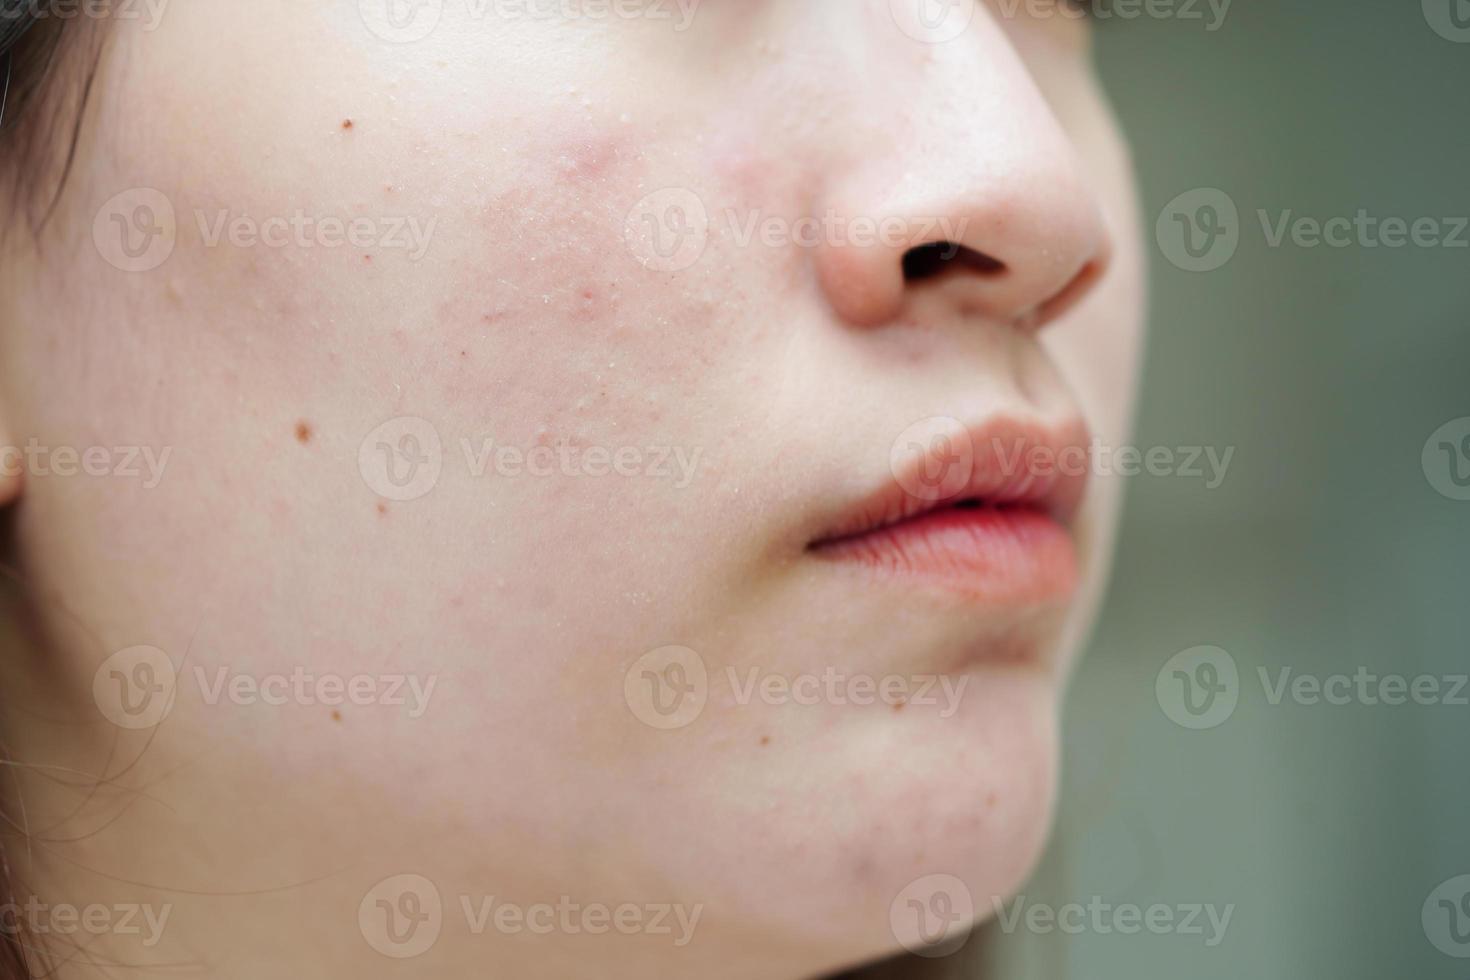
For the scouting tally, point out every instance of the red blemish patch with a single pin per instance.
(303, 432)
(588, 159)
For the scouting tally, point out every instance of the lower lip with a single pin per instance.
(993, 555)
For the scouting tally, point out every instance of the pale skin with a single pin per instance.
(530, 318)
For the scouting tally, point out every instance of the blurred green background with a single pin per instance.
(1326, 548)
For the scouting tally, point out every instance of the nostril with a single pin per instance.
(937, 258)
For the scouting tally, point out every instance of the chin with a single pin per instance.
(828, 852)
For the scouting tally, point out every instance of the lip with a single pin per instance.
(994, 530)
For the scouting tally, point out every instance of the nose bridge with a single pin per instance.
(972, 159)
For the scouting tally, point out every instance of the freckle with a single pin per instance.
(382, 509)
(899, 705)
(347, 124)
(765, 740)
(336, 715)
(303, 432)
(464, 353)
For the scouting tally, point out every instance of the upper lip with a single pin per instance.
(1015, 462)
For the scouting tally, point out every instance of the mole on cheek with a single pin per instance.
(347, 124)
(303, 432)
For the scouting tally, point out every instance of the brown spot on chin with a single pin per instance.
(336, 715)
(303, 432)
(765, 740)
(899, 705)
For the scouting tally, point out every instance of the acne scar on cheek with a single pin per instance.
(303, 432)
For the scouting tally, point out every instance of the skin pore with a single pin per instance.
(504, 283)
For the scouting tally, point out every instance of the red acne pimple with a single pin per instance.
(303, 432)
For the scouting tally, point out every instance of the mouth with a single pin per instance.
(982, 512)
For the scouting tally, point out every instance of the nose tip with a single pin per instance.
(1022, 253)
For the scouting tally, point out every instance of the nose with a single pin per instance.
(975, 202)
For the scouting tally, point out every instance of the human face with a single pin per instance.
(659, 264)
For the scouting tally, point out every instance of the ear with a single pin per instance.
(12, 464)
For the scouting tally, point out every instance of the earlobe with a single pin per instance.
(12, 468)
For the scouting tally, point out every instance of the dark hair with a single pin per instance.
(47, 67)
(36, 109)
